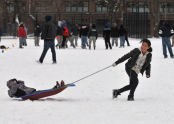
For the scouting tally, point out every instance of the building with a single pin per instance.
(140, 17)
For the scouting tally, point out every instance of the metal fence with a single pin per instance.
(137, 25)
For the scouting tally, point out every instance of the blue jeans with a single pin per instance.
(84, 41)
(48, 44)
(167, 44)
(122, 41)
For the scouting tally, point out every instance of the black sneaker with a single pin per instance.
(115, 93)
(130, 98)
(57, 85)
(54, 62)
(165, 57)
(62, 83)
(38, 61)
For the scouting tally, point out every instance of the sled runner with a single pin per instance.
(45, 93)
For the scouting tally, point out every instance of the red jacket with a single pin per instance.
(21, 32)
(65, 31)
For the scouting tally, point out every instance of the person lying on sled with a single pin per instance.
(17, 88)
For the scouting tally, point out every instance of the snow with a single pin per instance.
(90, 102)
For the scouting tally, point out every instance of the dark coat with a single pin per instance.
(59, 31)
(48, 31)
(133, 56)
(114, 32)
(107, 33)
(166, 31)
(84, 31)
(93, 32)
(75, 30)
(0, 32)
(37, 31)
(122, 31)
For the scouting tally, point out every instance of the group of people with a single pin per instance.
(139, 59)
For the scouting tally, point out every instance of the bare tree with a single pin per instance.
(112, 5)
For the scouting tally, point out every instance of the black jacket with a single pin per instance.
(122, 31)
(0, 32)
(75, 30)
(37, 32)
(107, 33)
(59, 31)
(48, 31)
(93, 32)
(133, 56)
(114, 32)
(166, 31)
(84, 31)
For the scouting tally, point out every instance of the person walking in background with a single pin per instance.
(107, 35)
(75, 33)
(166, 32)
(83, 35)
(37, 32)
(126, 38)
(173, 37)
(0, 33)
(65, 36)
(48, 34)
(122, 33)
(114, 35)
(93, 35)
(25, 40)
(22, 35)
(59, 35)
(139, 62)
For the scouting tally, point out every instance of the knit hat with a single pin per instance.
(48, 18)
(106, 25)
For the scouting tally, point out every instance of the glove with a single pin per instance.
(114, 64)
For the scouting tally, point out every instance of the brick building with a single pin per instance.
(140, 17)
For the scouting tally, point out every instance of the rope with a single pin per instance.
(91, 74)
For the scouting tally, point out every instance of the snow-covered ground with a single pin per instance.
(90, 102)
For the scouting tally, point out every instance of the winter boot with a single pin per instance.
(57, 85)
(115, 93)
(62, 83)
(130, 98)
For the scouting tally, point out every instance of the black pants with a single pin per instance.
(64, 42)
(48, 44)
(132, 84)
(108, 43)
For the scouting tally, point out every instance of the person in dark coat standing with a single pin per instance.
(37, 32)
(22, 35)
(48, 34)
(139, 61)
(126, 38)
(93, 35)
(114, 34)
(0, 33)
(75, 33)
(84, 35)
(107, 35)
(166, 32)
(122, 33)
